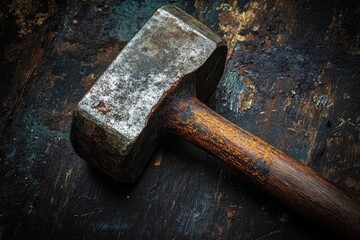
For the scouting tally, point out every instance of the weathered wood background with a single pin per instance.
(292, 78)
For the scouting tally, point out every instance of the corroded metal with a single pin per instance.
(113, 117)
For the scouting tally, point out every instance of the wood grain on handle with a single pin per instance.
(296, 185)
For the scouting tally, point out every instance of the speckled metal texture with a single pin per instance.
(111, 127)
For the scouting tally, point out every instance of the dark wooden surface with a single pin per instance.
(291, 78)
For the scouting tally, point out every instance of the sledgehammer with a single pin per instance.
(153, 87)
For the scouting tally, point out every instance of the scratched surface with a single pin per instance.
(291, 78)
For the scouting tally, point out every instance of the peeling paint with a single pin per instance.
(242, 25)
(246, 100)
(238, 91)
(233, 21)
(322, 100)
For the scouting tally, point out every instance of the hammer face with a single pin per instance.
(112, 126)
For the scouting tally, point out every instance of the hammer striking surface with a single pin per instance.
(152, 89)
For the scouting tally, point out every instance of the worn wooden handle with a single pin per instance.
(296, 185)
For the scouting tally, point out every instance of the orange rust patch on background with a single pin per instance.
(233, 21)
(253, 18)
(246, 100)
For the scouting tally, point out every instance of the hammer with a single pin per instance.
(153, 88)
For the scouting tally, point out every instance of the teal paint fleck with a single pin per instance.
(232, 86)
(322, 100)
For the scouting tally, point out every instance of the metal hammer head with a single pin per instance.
(115, 126)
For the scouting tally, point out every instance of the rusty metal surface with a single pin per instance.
(291, 78)
(111, 127)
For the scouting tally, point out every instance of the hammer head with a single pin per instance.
(116, 125)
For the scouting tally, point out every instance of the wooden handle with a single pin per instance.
(296, 185)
